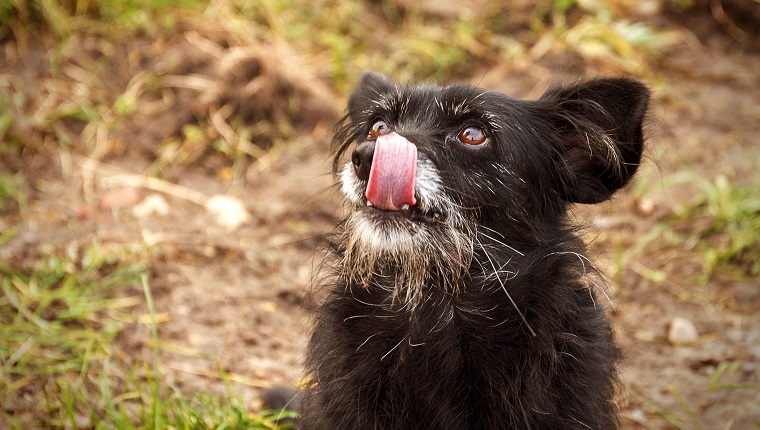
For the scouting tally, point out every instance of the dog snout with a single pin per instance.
(362, 159)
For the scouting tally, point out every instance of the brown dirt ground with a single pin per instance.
(237, 302)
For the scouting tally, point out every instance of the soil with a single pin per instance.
(235, 304)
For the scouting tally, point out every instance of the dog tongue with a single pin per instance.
(391, 177)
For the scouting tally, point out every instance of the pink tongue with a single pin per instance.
(391, 177)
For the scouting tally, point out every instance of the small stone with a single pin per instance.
(154, 204)
(682, 332)
(645, 206)
(269, 307)
(638, 416)
(119, 198)
(229, 211)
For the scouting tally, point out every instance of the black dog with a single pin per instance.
(462, 296)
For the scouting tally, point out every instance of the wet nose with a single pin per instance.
(362, 159)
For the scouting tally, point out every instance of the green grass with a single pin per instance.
(60, 316)
(713, 233)
(68, 17)
(721, 220)
(12, 195)
(731, 234)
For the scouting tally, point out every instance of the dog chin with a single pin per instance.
(392, 251)
(383, 232)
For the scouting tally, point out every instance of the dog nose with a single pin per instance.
(362, 159)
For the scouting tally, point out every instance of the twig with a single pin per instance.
(234, 139)
(133, 180)
(234, 377)
(716, 8)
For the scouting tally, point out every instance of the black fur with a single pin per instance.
(518, 339)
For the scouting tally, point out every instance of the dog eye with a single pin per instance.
(472, 136)
(379, 128)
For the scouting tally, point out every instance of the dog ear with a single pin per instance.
(601, 136)
(371, 84)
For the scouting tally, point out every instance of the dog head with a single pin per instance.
(432, 168)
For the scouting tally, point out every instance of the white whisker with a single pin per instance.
(504, 288)
(498, 241)
(392, 349)
(367, 340)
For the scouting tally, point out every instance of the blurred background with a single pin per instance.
(165, 186)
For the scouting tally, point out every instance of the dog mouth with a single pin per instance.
(400, 190)
(407, 212)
